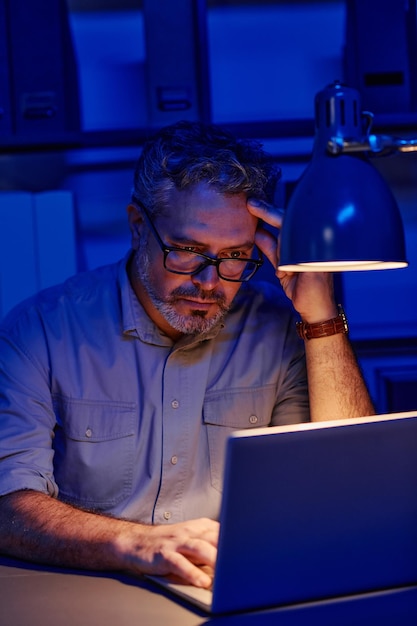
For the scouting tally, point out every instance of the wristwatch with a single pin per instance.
(328, 328)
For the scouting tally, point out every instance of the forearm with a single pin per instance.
(336, 386)
(36, 527)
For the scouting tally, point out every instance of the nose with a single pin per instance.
(207, 278)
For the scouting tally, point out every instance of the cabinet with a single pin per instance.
(266, 61)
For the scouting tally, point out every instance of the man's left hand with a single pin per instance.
(311, 293)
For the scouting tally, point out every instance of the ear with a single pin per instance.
(135, 219)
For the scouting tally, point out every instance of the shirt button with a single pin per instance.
(167, 515)
(174, 460)
(88, 432)
(253, 419)
(175, 404)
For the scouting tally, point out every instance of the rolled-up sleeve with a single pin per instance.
(27, 418)
(292, 403)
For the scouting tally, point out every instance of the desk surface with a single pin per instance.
(32, 595)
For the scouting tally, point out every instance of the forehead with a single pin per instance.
(201, 212)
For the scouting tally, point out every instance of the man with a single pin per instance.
(119, 388)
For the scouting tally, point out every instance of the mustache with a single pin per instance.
(198, 294)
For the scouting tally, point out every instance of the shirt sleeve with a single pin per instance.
(27, 418)
(292, 405)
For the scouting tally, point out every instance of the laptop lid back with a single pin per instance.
(316, 511)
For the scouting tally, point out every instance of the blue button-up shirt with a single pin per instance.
(102, 410)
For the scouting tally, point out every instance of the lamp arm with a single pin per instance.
(377, 145)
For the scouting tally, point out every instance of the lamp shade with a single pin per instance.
(342, 215)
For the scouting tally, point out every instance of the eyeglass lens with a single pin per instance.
(189, 262)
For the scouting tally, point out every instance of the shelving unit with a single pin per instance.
(266, 61)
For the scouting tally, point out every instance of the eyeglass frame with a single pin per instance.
(208, 259)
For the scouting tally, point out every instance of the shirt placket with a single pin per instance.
(184, 384)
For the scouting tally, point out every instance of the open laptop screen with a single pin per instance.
(315, 511)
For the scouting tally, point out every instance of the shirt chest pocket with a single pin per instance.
(94, 452)
(224, 412)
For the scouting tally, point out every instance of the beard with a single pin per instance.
(196, 322)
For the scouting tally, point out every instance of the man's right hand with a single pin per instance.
(37, 527)
(182, 550)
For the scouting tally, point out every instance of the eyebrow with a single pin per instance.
(193, 242)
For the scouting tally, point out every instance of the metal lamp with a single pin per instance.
(342, 215)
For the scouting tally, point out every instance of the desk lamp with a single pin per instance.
(342, 216)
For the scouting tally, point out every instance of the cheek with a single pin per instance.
(162, 281)
(152, 264)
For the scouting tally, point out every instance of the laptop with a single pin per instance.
(314, 512)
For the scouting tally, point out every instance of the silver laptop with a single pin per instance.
(314, 512)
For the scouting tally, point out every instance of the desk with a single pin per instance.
(32, 595)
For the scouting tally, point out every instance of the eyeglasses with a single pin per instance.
(187, 262)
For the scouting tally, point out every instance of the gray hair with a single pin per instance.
(187, 153)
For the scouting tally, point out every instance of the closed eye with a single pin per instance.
(178, 246)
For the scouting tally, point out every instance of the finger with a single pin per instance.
(199, 551)
(268, 244)
(269, 213)
(182, 568)
(199, 558)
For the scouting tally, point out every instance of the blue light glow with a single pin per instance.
(346, 214)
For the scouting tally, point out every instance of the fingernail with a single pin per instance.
(256, 202)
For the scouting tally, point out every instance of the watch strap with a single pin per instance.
(328, 328)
